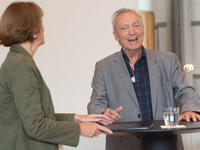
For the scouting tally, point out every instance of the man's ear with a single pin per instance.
(115, 35)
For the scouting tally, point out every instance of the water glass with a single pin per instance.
(171, 116)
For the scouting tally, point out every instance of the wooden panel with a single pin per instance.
(149, 25)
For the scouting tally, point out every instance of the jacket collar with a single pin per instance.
(19, 49)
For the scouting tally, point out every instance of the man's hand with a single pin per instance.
(91, 130)
(113, 114)
(100, 118)
(189, 115)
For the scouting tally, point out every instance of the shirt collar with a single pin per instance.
(126, 57)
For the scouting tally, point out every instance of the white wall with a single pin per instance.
(77, 33)
(146, 5)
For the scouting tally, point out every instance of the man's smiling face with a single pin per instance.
(129, 31)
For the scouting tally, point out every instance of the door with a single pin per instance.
(190, 46)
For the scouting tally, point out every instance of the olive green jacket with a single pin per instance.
(27, 118)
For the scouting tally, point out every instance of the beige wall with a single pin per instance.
(77, 33)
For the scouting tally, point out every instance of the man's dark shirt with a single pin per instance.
(141, 85)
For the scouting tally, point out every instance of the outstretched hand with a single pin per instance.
(91, 130)
(99, 118)
(188, 115)
(113, 114)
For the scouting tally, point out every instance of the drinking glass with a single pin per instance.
(171, 116)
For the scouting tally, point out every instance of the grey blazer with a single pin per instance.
(112, 86)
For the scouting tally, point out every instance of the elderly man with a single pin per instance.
(135, 83)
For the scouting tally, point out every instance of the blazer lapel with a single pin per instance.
(125, 77)
(154, 75)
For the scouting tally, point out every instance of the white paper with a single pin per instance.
(173, 127)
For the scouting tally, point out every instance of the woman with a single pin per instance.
(27, 119)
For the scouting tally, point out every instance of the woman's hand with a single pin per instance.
(99, 118)
(88, 129)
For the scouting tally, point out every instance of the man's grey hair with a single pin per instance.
(119, 12)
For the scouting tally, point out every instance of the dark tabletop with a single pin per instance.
(191, 127)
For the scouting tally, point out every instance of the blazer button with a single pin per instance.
(139, 116)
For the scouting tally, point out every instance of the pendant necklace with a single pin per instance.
(133, 77)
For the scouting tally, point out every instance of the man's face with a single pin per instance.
(129, 31)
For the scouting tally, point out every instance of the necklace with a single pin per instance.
(133, 77)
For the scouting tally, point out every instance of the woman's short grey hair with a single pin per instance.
(119, 12)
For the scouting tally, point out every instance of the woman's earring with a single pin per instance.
(34, 36)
